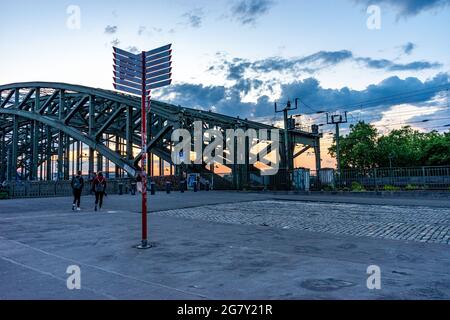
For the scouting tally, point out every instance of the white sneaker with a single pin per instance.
(78, 209)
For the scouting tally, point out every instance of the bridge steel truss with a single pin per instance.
(45, 128)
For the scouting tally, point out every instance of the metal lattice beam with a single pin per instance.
(35, 129)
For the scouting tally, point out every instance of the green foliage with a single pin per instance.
(4, 195)
(364, 148)
(391, 188)
(357, 187)
(357, 150)
(437, 151)
(410, 187)
(400, 148)
(328, 188)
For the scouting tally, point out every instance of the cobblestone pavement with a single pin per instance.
(421, 224)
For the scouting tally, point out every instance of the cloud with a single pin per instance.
(321, 60)
(224, 100)
(391, 66)
(111, 29)
(194, 18)
(133, 49)
(142, 30)
(409, 48)
(228, 100)
(248, 11)
(145, 31)
(345, 98)
(115, 42)
(237, 67)
(407, 8)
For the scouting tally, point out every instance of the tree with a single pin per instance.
(436, 151)
(405, 147)
(401, 148)
(358, 149)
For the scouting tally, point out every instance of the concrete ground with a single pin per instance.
(226, 245)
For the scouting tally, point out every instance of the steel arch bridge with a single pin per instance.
(45, 128)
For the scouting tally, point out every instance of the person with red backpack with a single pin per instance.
(99, 188)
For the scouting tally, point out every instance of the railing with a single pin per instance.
(412, 178)
(43, 189)
(390, 179)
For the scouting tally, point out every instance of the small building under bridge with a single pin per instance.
(48, 131)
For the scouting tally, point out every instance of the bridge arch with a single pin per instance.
(41, 120)
(70, 113)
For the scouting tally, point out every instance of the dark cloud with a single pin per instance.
(227, 100)
(237, 67)
(218, 98)
(391, 66)
(111, 29)
(331, 99)
(409, 48)
(321, 59)
(408, 7)
(248, 11)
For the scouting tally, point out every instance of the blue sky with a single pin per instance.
(237, 57)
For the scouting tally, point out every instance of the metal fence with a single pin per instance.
(412, 178)
(390, 179)
(42, 189)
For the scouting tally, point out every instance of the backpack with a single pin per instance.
(77, 183)
(100, 186)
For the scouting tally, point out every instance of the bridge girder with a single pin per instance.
(43, 119)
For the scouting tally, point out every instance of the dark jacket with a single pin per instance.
(81, 181)
(99, 181)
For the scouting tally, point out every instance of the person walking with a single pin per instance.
(77, 188)
(99, 188)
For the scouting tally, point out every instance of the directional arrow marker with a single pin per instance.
(158, 50)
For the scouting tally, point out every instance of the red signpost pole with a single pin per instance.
(157, 63)
(144, 244)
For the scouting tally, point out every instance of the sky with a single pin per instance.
(238, 57)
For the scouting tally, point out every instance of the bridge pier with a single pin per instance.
(48, 150)
(318, 155)
(3, 155)
(91, 128)
(66, 157)
(99, 162)
(14, 148)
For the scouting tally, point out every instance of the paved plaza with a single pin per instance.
(227, 245)
(422, 224)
